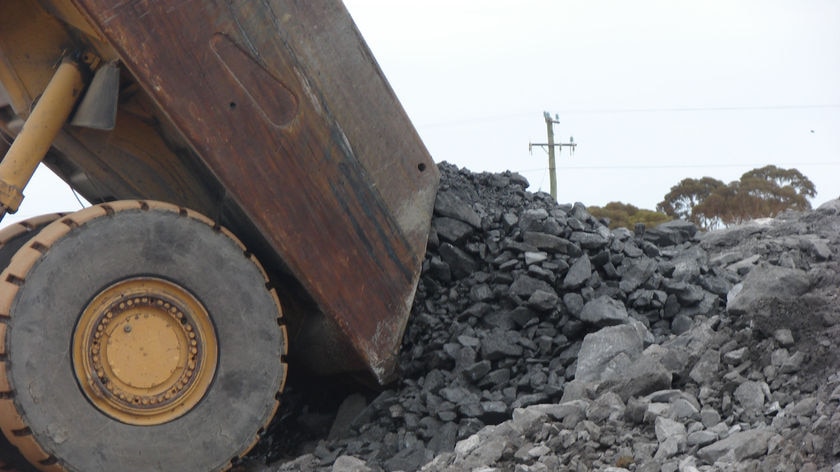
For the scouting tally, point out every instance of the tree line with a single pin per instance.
(709, 203)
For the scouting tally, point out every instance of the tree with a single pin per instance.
(681, 201)
(780, 189)
(763, 192)
(625, 215)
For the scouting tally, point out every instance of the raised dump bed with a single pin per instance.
(263, 128)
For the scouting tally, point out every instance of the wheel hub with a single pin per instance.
(144, 351)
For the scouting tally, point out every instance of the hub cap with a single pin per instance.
(144, 351)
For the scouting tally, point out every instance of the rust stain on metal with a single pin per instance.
(331, 173)
(274, 101)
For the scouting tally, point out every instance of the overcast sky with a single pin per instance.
(652, 91)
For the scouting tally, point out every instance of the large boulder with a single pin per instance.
(766, 282)
(601, 347)
(604, 311)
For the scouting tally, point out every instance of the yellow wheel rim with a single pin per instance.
(145, 351)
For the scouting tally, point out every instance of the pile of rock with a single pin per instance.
(541, 340)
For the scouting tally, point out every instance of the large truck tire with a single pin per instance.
(12, 238)
(138, 336)
(15, 235)
(10, 458)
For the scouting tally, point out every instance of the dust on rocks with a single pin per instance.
(540, 340)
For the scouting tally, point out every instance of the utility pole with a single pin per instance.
(552, 169)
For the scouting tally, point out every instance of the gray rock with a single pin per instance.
(410, 458)
(477, 451)
(498, 378)
(735, 356)
(478, 370)
(831, 207)
(524, 286)
(350, 464)
(671, 436)
(493, 412)
(635, 273)
(573, 302)
(449, 204)
(440, 270)
(554, 226)
(444, 437)
(689, 264)
(817, 248)
(645, 374)
(509, 219)
(532, 220)
(350, 408)
(642, 298)
(550, 243)
(529, 399)
(522, 315)
(682, 409)
(578, 273)
(681, 324)
(793, 363)
(804, 407)
(306, 462)
(671, 233)
(528, 421)
(750, 395)
(709, 416)
(635, 410)
(666, 428)
(564, 409)
(499, 344)
(701, 438)
(784, 337)
(457, 395)
(690, 295)
(450, 229)
(481, 343)
(461, 263)
(604, 311)
(766, 282)
(732, 236)
(589, 240)
(608, 405)
(599, 348)
(705, 370)
(543, 274)
(667, 449)
(630, 249)
(541, 300)
(737, 446)
(481, 293)
(532, 257)
(744, 266)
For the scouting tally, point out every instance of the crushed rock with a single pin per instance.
(540, 341)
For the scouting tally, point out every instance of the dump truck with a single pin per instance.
(259, 202)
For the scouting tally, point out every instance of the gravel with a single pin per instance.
(540, 340)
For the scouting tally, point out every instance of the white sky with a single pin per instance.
(652, 91)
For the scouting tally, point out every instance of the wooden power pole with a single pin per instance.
(552, 168)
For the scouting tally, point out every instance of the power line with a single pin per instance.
(605, 111)
(682, 166)
(693, 166)
(702, 109)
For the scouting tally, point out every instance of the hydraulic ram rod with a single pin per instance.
(35, 138)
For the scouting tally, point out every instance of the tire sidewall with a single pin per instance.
(167, 245)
